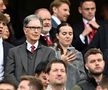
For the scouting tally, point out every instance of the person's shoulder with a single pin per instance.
(19, 47)
(47, 48)
(7, 43)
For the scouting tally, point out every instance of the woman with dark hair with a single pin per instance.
(66, 52)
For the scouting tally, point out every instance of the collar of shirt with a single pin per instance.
(86, 21)
(56, 19)
(29, 45)
(45, 35)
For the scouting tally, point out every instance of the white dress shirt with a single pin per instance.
(29, 45)
(1, 60)
(86, 22)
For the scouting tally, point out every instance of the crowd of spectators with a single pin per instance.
(52, 53)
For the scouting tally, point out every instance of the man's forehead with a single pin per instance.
(55, 65)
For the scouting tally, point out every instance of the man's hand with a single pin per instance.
(86, 31)
(94, 24)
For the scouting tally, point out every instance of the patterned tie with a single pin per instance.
(48, 40)
(32, 49)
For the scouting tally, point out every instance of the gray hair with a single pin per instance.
(30, 18)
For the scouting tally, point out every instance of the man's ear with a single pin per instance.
(86, 66)
(25, 31)
(80, 10)
(54, 9)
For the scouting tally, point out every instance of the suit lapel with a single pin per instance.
(5, 52)
(23, 55)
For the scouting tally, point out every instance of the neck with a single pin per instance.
(45, 33)
(64, 48)
(32, 42)
(98, 78)
(57, 87)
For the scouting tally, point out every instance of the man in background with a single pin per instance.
(48, 32)
(85, 30)
(60, 11)
(29, 83)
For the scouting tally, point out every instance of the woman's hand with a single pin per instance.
(69, 56)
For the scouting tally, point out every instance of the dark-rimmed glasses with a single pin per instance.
(33, 28)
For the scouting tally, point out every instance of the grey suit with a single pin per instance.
(17, 61)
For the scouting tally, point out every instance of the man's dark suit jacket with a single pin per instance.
(6, 47)
(52, 35)
(17, 64)
(77, 30)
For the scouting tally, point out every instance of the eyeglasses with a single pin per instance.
(34, 28)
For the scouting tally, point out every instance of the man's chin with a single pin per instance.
(97, 73)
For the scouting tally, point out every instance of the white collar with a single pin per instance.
(29, 45)
(86, 21)
(56, 19)
(45, 35)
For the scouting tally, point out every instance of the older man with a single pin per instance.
(24, 59)
(48, 32)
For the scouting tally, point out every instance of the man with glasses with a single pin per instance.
(23, 59)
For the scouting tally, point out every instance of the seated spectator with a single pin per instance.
(69, 54)
(41, 74)
(94, 63)
(30, 83)
(7, 86)
(57, 73)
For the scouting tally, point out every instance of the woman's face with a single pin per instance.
(5, 33)
(65, 36)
